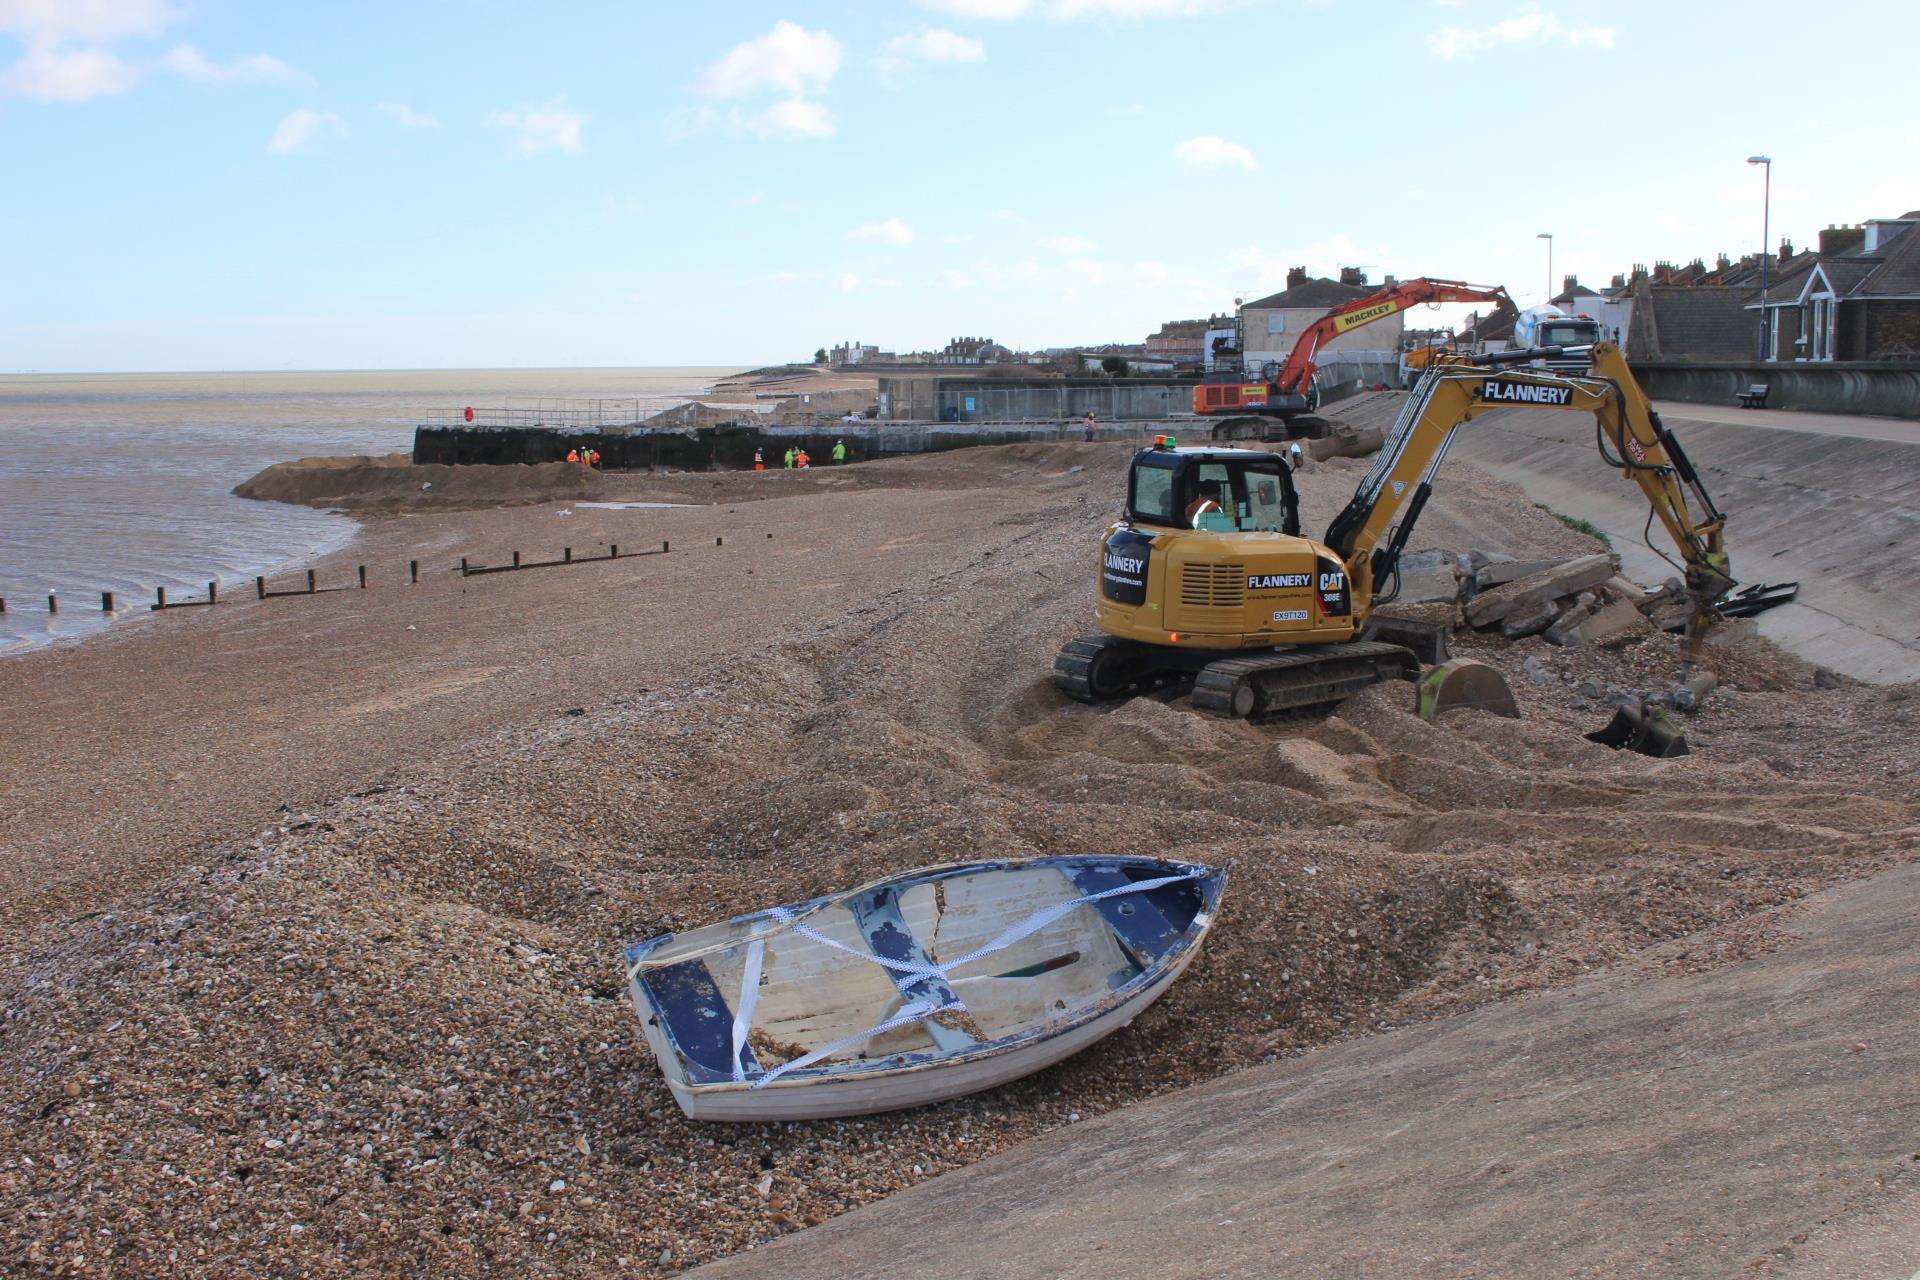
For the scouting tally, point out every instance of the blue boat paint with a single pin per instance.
(887, 935)
(697, 1019)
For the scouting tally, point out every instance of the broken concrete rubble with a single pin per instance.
(1615, 624)
(1526, 595)
(1569, 628)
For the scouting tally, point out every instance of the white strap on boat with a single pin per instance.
(1006, 938)
(914, 1013)
(749, 998)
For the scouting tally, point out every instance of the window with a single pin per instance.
(1263, 508)
(1276, 322)
(1153, 494)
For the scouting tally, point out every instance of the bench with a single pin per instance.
(1754, 397)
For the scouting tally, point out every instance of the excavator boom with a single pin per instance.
(1369, 534)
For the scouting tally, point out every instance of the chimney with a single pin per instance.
(1786, 250)
(1840, 239)
(1296, 276)
(1352, 276)
(1569, 283)
(1722, 262)
(1619, 280)
(1662, 272)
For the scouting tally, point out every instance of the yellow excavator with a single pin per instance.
(1206, 577)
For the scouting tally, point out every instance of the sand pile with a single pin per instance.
(392, 484)
(391, 1036)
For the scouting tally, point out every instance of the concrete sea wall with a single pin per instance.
(1879, 388)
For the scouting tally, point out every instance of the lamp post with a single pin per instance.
(1766, 252)
(1548, 237)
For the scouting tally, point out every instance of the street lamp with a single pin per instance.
(1548, 237)
(1766, 253)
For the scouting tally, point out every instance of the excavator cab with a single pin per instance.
(1213, 490)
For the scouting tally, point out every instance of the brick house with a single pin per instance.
(1270, 326)
(1861, 298)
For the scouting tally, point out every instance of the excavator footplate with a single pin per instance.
(1286, 680)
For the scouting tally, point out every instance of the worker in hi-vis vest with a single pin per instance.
(839, 452)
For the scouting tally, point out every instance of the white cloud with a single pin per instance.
(187, 60)
(1073, 10)
(793, 118)
(886, 231)
(788, 59)
(1209, 152)
(51, 21)
(299, 127)
(1066, 246)
(848, 282)
(540, 129)
(406, 115)
(1532, 27)
(930, 45)
(48, 74)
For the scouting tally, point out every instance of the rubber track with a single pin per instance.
(1305, 677)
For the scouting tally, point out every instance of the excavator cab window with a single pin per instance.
(1246, 493)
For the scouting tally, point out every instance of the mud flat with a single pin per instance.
(318, 972)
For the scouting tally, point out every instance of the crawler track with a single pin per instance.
(1284, 680)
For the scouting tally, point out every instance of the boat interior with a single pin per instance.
(811, 994)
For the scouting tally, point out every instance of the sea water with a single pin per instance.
(123, 482)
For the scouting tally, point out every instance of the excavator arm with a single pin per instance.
(1370, 533)
(1297, 373)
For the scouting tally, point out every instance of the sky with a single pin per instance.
(210, 184)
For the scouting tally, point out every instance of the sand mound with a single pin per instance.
(393, 484)
(391, 1035)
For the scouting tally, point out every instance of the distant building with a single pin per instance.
(1270, 326)
(972, 351)
(851, 353)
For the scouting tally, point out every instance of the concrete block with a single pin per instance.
(1615, 624)
(1566, 628)
(1530, 620)
(1500, 573)
(1567, 578)
(1621, 588)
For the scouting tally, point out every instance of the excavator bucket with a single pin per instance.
(1643, 728)
(1465, 683)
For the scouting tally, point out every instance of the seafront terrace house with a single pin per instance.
(1856, 298)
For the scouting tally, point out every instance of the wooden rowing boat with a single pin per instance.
(917, 988)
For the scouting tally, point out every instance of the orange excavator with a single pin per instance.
(1279, 405)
